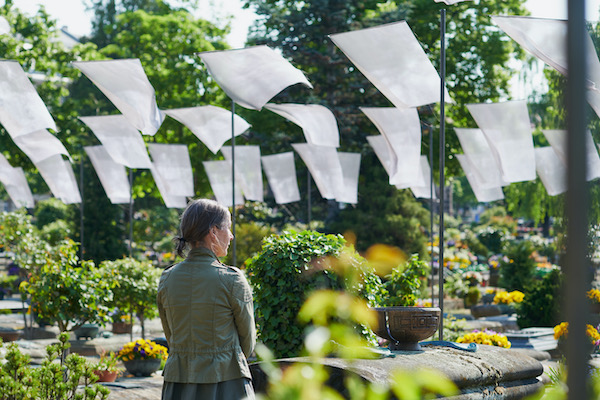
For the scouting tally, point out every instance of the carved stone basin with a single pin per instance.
(404, 327)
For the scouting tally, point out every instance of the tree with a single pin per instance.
(300, 29)
(68, 292)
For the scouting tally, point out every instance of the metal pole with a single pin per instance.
(233, 181)
(81, 208)
(130, 212)
(309, 195)
(442, 164)
(431, 210)
(577, 276)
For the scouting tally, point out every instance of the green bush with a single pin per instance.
(541, 304)
(517, 269)
(402, 286)
(288, 268)
(491, 238)
(50, 210)
(249, 237)
(72, 378)
(56, 231)
(476, 246)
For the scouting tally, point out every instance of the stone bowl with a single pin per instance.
(404, 327)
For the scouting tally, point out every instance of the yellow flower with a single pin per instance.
(594, 295)
(516, 296)
(561, 330)
(489, 338)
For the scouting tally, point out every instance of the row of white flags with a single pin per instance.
(389, 56)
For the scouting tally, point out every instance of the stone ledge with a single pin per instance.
(489, 373)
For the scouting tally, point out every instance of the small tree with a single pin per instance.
(66, 292)
(134, 287)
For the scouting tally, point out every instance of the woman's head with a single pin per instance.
(200, 225)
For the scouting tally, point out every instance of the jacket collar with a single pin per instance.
(200, 252)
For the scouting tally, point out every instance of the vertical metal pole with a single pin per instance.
(130, 212)
(308, 195)
(233, 181)
(442, 163)
(577, 277)
(81, 208)
(431, 211)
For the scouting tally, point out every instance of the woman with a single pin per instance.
(206, 312)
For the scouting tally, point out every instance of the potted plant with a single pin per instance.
(594, 296)
(398, 299)
(121, 322)
(106, 369)
(142, 357)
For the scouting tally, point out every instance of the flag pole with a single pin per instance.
(442, 166)
(233, 262)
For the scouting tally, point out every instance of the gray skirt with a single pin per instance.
(235, 389)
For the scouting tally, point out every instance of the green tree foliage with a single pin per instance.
(517, 270)
(384, 215)
(67, 292)
(301, 28)
(21, 238)
(54, 219)
(167, 43)
(542, 302)
(134, 286)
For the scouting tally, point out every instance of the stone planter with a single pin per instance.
(106, 376)
(121, 327)
(404, 327)
(87, 331)
(142, 367)
(9, 335)
(485, 310)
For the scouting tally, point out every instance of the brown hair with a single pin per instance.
(199, 216)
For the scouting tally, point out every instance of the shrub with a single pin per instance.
(402, 286)
(283, 273)
(541, 303)
(249, 237)
(517, 269)
(491, 238)
(53, 379)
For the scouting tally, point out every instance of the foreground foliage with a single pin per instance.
(57, 378)
(332, 316)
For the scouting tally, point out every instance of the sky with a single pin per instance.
(72, 13)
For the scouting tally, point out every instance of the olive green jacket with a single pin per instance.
(207, 315)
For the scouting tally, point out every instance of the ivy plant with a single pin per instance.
(288, 268)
